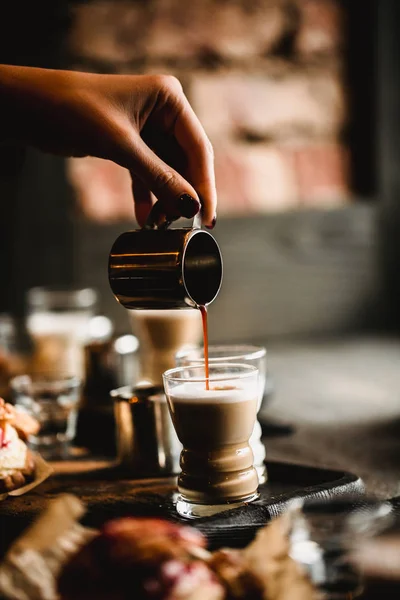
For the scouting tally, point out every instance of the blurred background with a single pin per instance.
(300, 99)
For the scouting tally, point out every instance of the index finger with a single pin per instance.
(193, 140)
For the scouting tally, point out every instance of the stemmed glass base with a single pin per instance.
(189, 510)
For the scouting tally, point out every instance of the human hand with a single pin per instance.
(142, 122)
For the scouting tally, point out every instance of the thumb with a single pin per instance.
(176, 197)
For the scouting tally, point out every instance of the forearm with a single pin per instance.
(27, 95)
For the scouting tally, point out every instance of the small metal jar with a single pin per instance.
(147, 444)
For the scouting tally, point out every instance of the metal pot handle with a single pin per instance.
(154, 214)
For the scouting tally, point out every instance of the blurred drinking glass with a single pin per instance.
(58, 323)
(328, 539)
(53, 401)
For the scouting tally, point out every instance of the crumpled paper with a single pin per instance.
(42, 471)
(269, 557)
(32, 564)
(264, 569)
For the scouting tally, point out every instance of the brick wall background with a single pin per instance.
(266, 78)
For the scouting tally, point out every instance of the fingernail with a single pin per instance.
(212, 223)
(188, 206)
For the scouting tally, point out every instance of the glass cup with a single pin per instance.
(214, 426)
(325, 537)
(243, 353)
(161, 334)
(53, 401)
(58, 323)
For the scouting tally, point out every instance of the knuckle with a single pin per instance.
(168, 85)
(164, 179)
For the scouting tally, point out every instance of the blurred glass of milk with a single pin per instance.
(58, 322)
(161, 334)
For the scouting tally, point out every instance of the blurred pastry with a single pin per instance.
(25, 424)
(141, 559)
(17, 463)
(151, 559)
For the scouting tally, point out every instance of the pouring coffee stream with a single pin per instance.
(204, 318)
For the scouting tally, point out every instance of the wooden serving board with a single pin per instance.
(108, 493)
